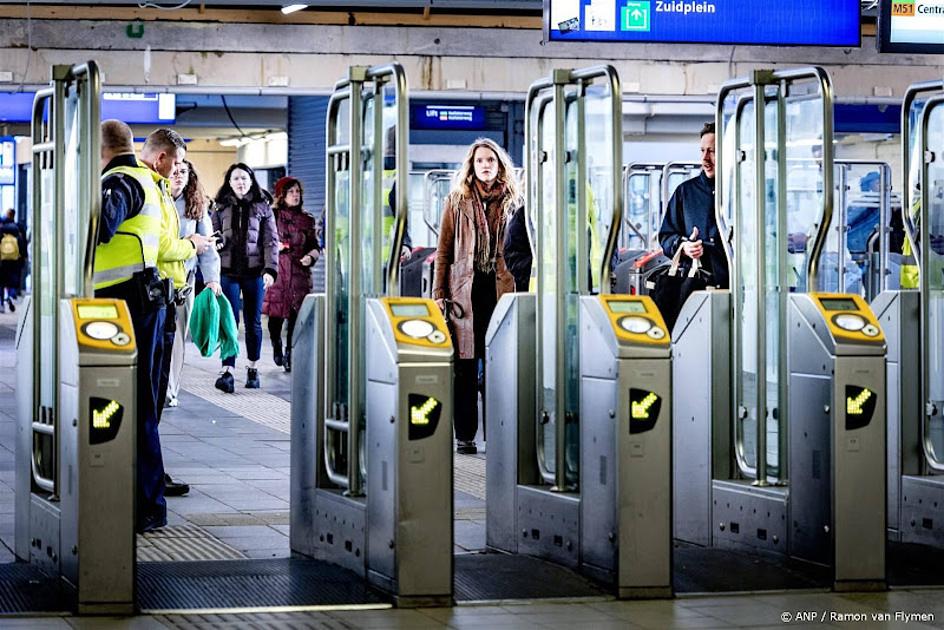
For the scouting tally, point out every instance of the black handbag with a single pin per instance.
(669, 289)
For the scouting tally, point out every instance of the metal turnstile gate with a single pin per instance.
(381, 467)
(807, 381)
(76, 362)
(570, 479)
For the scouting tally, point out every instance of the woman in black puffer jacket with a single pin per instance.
(249, 259)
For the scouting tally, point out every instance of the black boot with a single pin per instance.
(287, 363)
(252, 378)
(277, 356)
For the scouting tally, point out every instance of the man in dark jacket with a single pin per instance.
(517, 249)
(690, 221)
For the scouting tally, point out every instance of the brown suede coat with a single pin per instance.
(455, 268)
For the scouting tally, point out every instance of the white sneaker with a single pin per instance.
(171, 401)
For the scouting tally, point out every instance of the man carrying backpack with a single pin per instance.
(11, 258)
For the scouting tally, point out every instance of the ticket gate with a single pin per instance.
(625, 438)
(915, 487)
(76, 361)
(372, 388)
(571, 477)
(807, 376)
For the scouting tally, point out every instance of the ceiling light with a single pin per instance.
(292, 8)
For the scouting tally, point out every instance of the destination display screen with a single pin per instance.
(839, 304)
(409, 310)
(760, 22)
(915, 26)
(627, 307)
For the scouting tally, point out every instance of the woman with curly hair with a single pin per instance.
(192, 207)
(470, 272)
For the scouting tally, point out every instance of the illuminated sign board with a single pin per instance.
(911, 26)
(424, 415)
(447, 116)
(860, 406)
(143, 109)
(758, 22)
(106, 418)
(644, 407)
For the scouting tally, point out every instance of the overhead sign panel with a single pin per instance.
(911, 26)
(144, 109)
(447, 116)
(760, 22)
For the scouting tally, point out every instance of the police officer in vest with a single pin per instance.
(163, 151)
(126, 268)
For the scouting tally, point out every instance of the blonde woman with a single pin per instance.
(470, 268)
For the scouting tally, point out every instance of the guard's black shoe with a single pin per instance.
(150, 523)
(466, 447)
(277, 357)
(252, 378)
(287, 363)
(174, 488)
(226, 383)
(12, 305)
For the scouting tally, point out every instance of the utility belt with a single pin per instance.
(178, 297)
(145, 292)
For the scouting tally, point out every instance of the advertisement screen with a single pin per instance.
(761, 22)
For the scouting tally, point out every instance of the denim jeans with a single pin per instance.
(246, 294)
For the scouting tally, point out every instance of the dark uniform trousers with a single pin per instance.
(168, 334)
(148, 324)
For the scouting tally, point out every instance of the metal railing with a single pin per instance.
(81, 84)
(343, 413)
(432, 211)
(928, 155)
(567, 87)
(908, 102)
(758, 83)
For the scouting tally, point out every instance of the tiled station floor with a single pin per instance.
(234, 452)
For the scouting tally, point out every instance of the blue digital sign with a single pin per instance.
(745, 22)
(450, 116)
(143, 109)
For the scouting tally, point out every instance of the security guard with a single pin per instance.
(163, 151)
(126, 269)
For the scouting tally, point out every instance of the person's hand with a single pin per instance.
(283, 246)
(215, 287)
(267, 280)
(693, 248)
(441, 303)
(306, 261)
(201, 243)
(405, 254)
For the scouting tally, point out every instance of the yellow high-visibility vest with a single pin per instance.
(133, 248)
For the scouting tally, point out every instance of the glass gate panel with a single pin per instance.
(774, 294)
(745, 291)
(640, 205)
(44, 298)
(546, 224)
(598, 125)
(933, 285)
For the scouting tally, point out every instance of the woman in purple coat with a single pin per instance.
(298, 251)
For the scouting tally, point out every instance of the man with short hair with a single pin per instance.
(690, 221)
(163, 152)
(126, 269)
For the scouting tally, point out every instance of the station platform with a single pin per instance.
(233, 450)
